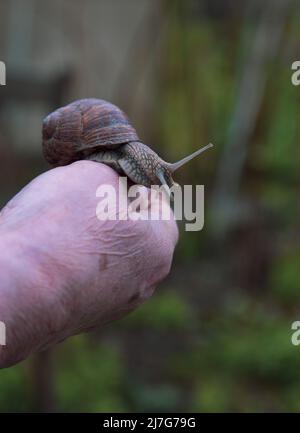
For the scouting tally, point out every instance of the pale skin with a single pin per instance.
(62, 270)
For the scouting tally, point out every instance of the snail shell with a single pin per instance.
(77, 130)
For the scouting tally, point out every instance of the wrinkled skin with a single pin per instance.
(62, 270)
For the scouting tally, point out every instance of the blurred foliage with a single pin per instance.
(81, 386)
(245, 363)
(285, 278)
(15, 395)
(190, 348)
(167, 311)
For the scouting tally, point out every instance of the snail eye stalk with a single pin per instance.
(178, 164)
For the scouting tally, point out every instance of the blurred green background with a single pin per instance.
(216, 336)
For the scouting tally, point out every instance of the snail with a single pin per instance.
(97, 130)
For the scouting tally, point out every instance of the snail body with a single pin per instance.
(97, 130)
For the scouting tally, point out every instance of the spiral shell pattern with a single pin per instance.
(76, 131)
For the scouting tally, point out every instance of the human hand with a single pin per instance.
(62, 270)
